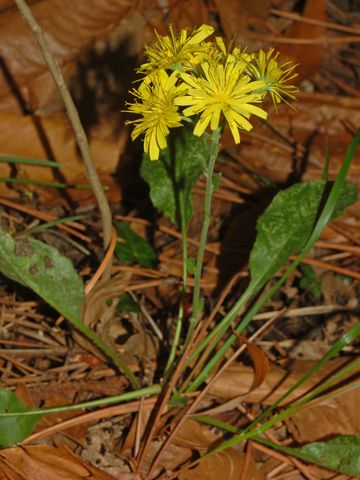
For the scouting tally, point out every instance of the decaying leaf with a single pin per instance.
(41, 462)
(236, 380)
(334, 416)
(226, 465)
(309, 57)
(69, 26)
(236, 16)
(101, 314)
(53, 139)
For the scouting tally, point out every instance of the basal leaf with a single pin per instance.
(287, 223)
(43, 269)
(52, 276)
(133, 248)
(172, 177)
(341, 454)
(14, 429)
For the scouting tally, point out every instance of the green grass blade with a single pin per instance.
(29, 161)
(40, 183)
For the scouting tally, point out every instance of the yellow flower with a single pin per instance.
(266, 68)
(177, 51)
(223, 89)
(157, 109)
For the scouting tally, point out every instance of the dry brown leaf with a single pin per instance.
(107, 323)
(188, 13)
(195, 436)
(41, 462)
(236, 379)
(70, 27)
(335, 416)
(309, 57)
(226, 465)
(97, 314)
(53, 139)
(235, 16)
(312, 111)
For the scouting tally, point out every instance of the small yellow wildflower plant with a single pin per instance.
(187, 76)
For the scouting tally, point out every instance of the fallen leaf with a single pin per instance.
(52, 138)
(70, 27)
(187, 13)
(335, 416)
(309, 57)
(41, 462)
(236, 380)
(225, 465)
(235, 16)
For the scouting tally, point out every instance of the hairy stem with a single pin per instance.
(75, 123)
(209, 189)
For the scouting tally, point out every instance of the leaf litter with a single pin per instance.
(35, 347)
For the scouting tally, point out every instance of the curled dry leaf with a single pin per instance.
(103, 318)
(99, 308)
(260, 363)
(41, 462)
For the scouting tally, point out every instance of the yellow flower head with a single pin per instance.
(156, 105)
(221, 90)
(265, 67)
(177, 51)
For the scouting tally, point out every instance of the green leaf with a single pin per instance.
(288, 222)
(15, 429)
(52, 276)
(133, 248)
(172, 177)
(41, 268)
(309, 281)
(29, 161)
(341, 453)
(127, 304)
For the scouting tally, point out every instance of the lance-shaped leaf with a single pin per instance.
(52, 276)
(287, 224)
(43, 269)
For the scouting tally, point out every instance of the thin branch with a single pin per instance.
(75, 123)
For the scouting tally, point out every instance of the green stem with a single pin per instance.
(75, 123)
(209, 188)
(180, 318)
